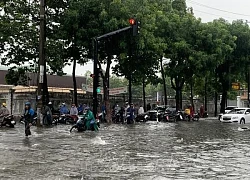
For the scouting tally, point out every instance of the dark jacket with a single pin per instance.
(29, 115)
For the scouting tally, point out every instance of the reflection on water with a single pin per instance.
(152, 151)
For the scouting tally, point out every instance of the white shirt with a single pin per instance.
(141, 110)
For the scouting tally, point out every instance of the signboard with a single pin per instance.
(116, 91)
(236, 86)
(41, 75)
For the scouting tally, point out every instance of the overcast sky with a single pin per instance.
(207, 10)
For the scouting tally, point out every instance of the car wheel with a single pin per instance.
(242, 121)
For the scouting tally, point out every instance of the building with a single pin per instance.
(60, 90)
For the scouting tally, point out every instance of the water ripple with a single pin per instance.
(153, 151)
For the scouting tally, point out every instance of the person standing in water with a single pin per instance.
(28, 118)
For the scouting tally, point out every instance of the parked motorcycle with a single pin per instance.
(8, 121)
(196, 117)
(179, 116)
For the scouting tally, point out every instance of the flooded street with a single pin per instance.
(186, 150)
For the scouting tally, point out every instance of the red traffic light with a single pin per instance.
(92, 75)
(132, 21)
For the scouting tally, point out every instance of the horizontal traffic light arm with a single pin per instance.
(113, 33)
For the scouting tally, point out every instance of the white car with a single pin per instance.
(239, 115)
(227, 110)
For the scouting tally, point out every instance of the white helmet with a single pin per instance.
(50, 103)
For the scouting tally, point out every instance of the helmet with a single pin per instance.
(27, 104)
(87, 108)
(63, 104)
(4, 104)
(50, 103)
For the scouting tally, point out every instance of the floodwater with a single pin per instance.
(206, 149)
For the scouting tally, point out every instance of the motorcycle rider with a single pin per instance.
(64, 109)
(28, 118)
(80, 109)
(141, 110)
(74, 112)
(47, 114)
(51, 108)
(130, 114)
(3, 113)
(117, 113)
(126, 108)
(90, 120)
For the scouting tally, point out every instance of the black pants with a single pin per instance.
(27, 129)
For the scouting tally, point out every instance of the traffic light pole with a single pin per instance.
(96, 75)
(134, 26)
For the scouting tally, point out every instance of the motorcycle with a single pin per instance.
(178, 116)
(8, 121)
(116, 117)
(67, 119)
(80, 125)
(196, 117)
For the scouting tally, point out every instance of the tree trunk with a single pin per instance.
(205, 89)
(130, 89)
(177, 99)
(45, 87)
(106, 100)
(223, 101)
(164, 82)
(144, 94)
(105, 78)
(215, 104)
(74, 83)
(191, 92)
(181, 105)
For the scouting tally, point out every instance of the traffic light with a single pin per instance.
(135, 26)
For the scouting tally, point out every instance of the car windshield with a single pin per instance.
(230, 108)
(237, 111)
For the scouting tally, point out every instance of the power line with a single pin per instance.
(225, 11)
(217, 15)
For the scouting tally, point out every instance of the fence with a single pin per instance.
(19, 99)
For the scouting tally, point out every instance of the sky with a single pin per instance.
(207, 10)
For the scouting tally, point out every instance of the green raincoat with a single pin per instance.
(90, 121)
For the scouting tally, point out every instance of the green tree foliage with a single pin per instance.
(216, 52)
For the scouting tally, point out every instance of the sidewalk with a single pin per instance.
(210, 118)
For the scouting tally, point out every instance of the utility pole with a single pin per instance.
(95, 83)
(41, 64)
